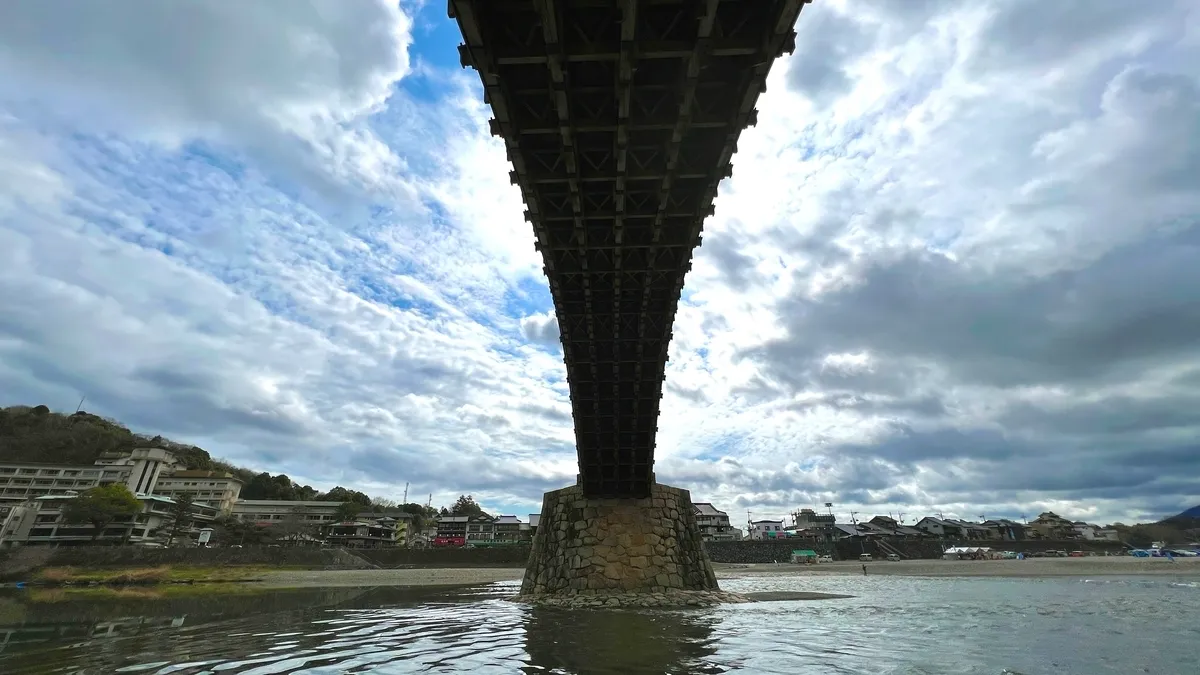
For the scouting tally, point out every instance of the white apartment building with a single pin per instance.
(139, 470)
(145, 471)
(214, 488)
(766, 529)
(39, 521)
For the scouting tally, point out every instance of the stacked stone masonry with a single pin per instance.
(607, 547)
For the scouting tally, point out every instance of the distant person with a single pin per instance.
(864, 570)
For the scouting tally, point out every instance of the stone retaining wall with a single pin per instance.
(516, 555)
(781, 550)
(601, 546)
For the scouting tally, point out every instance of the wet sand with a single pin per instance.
(442, 576)
(1033, 567)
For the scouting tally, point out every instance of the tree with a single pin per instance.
(341, 494)
(100, 506)
(347, 511)
(384, 502)
(466, 506)
(421, 514)
(292, 528)
(229, 531)
(181, 516)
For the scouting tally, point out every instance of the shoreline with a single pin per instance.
(1030, 568)
(262, 578)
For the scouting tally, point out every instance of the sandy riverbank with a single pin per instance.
(442, 576)
(1033, 567)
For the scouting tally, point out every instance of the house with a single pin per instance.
(940, 528)
(508, 529)
(1090, 532)
(1008, 530)
(380, 533)
(451, 531)
(714, 523)
(846, 530)
(972, 531)
(479, 529)
(767, 529)
(807, 519)
(1050, 525)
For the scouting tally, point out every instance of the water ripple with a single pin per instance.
(907, 626)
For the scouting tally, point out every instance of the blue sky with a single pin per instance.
(954, 270)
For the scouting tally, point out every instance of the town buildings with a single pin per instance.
(714, 524)
(267, 512)
(1050, 525)
(766, 529)
(40, 521)
(145, 471)
(32, 496)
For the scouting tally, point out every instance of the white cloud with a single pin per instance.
(289, 83)
(952, 271)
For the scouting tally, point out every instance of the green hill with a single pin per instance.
(37, 434)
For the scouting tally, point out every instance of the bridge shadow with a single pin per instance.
(616, 641)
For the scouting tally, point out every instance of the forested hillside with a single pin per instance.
(37, 434)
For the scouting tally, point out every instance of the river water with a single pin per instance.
(891, 625)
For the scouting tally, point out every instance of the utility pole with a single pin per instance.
(854, 519)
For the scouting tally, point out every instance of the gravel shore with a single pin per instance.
(448, 576)
(1034, 567)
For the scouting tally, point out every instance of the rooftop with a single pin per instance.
(706, 509)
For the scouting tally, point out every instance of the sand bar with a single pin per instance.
(1034, 567)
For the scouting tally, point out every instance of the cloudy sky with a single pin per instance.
(957, 268)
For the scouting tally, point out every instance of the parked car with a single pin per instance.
(866, 557)
(824, 559)
(892, 557)
(1076, 554)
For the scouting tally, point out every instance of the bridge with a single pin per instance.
(620, 118)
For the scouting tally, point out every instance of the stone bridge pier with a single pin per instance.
(613, 552)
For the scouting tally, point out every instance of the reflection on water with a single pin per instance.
(897, 625)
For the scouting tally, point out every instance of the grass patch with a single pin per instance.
(55, 595)
(162, 574)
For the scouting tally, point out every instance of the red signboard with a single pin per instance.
(449, 541)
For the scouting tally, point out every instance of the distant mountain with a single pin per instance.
(1191, 514)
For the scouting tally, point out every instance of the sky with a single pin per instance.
(956, 269)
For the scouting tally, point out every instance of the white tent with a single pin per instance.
(958, 552)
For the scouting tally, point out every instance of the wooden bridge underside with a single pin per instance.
(620, 119)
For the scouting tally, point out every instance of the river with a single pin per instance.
(891, 625)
